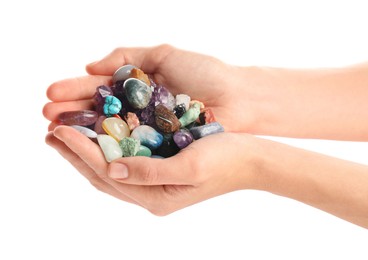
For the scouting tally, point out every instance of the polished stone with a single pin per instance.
(183, 99)
(166, 120)
(85, 130)
(79, 117)
(144, 151)
(191, 115)
(122, 73)
(148, 136)
(204, 130)
(110, 147)
(137, 92)
(116, 127)
(183, 137)
(98, 125)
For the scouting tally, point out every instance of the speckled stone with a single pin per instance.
(182, 99)
(132, 120)
(137, 92)
(166, 120)
(204, 130)
(129, 146)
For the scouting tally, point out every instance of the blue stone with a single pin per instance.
(148, 136)
(112, 106)
(204, 130)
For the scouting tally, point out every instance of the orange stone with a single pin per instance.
(139, 74)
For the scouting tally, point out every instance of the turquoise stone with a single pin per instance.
(144, 151)
(204, 130)
(129, 146)
(122, 73)
(137, 92)
(85, 130)
(79, 117)
(148, 136)
(110, 147)
(191, 115)
(112, 106)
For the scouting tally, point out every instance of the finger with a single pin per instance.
(147, 59)
(52, 126)
(76, 88)
(52, 110)
(84, 169)
(148, 171)
(84, 148)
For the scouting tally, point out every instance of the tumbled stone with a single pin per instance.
(139, 74)
(144, 151)
(98, 125)
(206, 116)
(112, 106)
(183, 137)
(80, 117)
(137, 92)
(110, 147)
(129, 146)
(148, 136)
(168, 147)
(201, 105)
(183, 99)
(122, 73)
(179, 110)
(191, 115)
(166, 120)
(132, 120)
(85, 130)
(116, 128)
(204, 130)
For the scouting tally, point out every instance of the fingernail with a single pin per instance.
(118, 171)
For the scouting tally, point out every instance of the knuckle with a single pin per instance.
(149, 176)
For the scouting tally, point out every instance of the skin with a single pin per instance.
(319, 103)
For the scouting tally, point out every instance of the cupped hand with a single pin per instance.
(219, 86)
(209, 167)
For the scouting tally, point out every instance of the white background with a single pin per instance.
(48, 211)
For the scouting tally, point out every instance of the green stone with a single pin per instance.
(191, 115)
(144, 151)
(129, 146)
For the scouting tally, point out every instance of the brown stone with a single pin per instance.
(139, 74)
(166, 120)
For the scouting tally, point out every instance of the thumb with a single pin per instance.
(142, 170)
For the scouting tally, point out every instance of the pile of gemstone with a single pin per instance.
(137, 117)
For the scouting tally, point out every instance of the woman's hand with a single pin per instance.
(203, 78)
(209, 167)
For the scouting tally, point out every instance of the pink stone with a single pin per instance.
(80, 117)
(132, 120)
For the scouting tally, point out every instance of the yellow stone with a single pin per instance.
(116, 128)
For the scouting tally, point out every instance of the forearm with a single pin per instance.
(333, 185)
(319, 103)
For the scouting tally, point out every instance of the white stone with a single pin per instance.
(183, 99)
(110, 147)
(85, 130)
